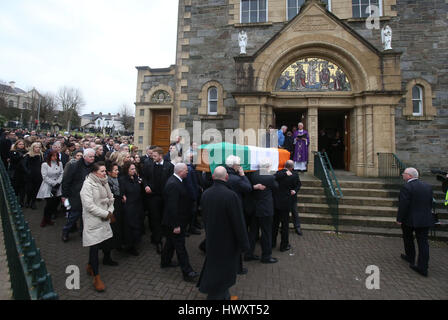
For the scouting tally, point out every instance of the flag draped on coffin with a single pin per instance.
(214, 155)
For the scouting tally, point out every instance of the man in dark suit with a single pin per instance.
(108, 147)
(155, 176)
(226, 237)
(288, 182)
(176, 216)
(415, 215)
(264, 210)
(148, 155)
(63, 157)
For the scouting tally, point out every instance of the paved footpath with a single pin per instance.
(321, 266)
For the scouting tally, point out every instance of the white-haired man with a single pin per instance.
(281, 136)
(175, 218)
(71, 187)
(415, 215)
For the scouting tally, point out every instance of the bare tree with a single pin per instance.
(48, 107)
(71, 102)
(127, 116)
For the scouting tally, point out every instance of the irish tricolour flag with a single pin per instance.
(214, 155)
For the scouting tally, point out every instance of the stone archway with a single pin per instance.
(374, 77)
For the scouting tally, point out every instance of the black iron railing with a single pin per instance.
(390, 166)
(323, 170)
(28, 273)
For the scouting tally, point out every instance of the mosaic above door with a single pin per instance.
(313, 74)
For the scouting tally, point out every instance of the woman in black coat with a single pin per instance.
(16, 172)
(117, 227)
(31, 165)
(131, 191)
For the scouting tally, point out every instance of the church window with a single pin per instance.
(293, 7)
(213, 101)
(359, 7)
(253, 11)
(11, 104)
(417, 101)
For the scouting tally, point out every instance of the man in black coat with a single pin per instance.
(264, 211)
(288, 182)
(5, 147)
(175, 218)
(155, 175)
(415, 215)
(71, 187)
(226, 237)
(240, 184)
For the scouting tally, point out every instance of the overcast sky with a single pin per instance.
(93, 45)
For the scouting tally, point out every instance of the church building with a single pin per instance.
(376, 71)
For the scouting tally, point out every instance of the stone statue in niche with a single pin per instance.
(242, 40)
(386, 38)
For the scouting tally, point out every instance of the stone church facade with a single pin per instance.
(311, 62)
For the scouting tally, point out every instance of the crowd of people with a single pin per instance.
(113, 196)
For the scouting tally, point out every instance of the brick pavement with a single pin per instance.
(321, 266)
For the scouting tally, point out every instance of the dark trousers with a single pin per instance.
(265, 224)
(176, 242)
(295, 214)
(155, 205)
(93, 257)
(421, 234)
(51, 206)
(72, 218)
(224, 295)
(31, 190)
(283, 217)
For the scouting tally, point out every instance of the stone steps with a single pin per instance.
(388, 232)
(368, 206)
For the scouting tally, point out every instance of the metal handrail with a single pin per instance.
(389, 165)
(333, 177)
(28, 273)
(324, 171)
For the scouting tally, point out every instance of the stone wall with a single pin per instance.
(420, 32)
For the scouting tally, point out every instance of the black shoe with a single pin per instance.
(283, 249)
(169, 265)
(198, 226)
(133, 251)
(187, 234)
(270, 260)
(159, 248)
(242, 271)
(418, 270)
(64, 237)
(191, 276)
(406, 258)
(298, 231)
(110, 262)
(251, 257)
(194, 231)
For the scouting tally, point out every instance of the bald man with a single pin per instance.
(226, 237)
(415, 215)
(175, 218)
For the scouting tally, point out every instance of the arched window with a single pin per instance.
(417, 101)
(11, 104)
(212, 101)
(293, 7)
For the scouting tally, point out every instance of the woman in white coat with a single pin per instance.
(50, 189)
(97, 214)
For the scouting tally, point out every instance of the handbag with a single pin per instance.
(54, 190)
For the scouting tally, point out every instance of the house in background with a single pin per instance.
(15, 97)
(98, 122)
